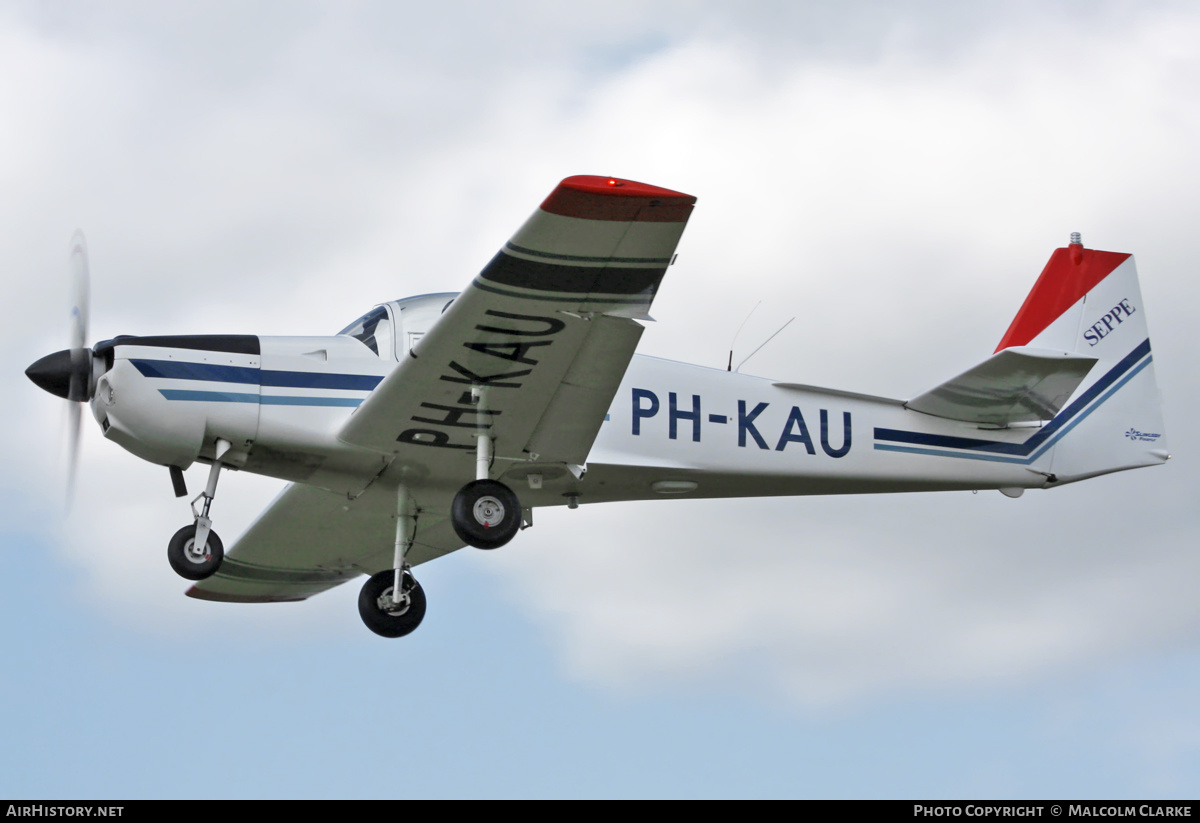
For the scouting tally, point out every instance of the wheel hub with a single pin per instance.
(194, 555)
(385, 604)
(489, 512)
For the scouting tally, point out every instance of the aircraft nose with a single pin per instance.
(53, 373)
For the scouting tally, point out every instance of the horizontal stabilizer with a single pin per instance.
(1015, 385)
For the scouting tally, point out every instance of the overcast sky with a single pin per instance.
(893, 175)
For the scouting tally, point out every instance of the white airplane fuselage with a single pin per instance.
(673, 429)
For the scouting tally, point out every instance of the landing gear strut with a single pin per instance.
(485, 513)
(195, 552)
(392, 602)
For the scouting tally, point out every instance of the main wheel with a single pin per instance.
(486, 514)
(384, 617)
(187, 561)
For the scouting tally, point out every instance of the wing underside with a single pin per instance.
(309, 540)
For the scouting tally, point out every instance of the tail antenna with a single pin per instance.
(729, 365)
(760, 347)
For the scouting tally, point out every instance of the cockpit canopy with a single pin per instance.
(391, 329)
(365, 328)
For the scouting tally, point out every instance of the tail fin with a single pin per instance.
(1088, 302)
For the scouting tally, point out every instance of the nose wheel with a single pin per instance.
(485, 514)
(195, 552)
(192, 561)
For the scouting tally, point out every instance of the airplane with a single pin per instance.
(444, 420)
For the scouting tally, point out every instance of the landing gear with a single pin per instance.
(190, 561)
(381, 611)
(485, 514)
(392, 602)
(195, 552)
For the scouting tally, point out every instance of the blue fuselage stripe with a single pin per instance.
(213, 373)
(286, 400)
(175, 370)
(266, 399)
(209, 396)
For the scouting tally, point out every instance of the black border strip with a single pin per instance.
(231, 343)
(533, 274)
(665, 261)
(639, 300)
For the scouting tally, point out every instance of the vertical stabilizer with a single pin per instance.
(1089, 302)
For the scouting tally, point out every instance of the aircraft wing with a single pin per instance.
(546, 332)
(310, 540)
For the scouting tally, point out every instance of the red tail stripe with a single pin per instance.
(1062, 283)
(611, 198)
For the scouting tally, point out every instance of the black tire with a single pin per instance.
(390, 623)
(485, 514)
(186, 564)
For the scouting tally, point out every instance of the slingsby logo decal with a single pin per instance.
(1144, 437)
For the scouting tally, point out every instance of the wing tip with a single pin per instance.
(592, 197)
(619, 187)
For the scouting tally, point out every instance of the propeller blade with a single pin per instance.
(80, 290)
(80, 388)
(74, 430)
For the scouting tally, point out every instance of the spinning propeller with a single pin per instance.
(69, 373)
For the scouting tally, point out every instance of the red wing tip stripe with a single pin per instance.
(613, 198)
(1068, 276)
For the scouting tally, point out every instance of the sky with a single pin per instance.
(892, 175)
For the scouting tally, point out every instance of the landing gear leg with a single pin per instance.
(485, 513)
(392, 603)
(196, 552)
(406, 530)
